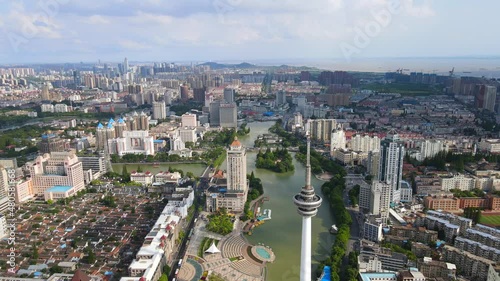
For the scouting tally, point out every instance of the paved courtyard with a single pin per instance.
(233, 262)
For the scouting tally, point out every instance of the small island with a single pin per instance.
(279, 160)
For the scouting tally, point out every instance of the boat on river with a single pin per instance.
(334, 229)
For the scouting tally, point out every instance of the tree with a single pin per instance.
(163, 277)
(34, 252)
(139, 169)
(189, 144)
(125, 174)
(55, 269)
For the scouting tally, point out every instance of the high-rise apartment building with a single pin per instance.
(321, 129)
(104, 133)
(52, 143)
(159, 110)
(373, 163)
(280, 98)
(380, 199)
(365, 143)
(4, 189)
(391, 164)
(184, 93)
(430, 148)
(485, 96)
(338, 140)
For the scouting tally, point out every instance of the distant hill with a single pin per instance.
(215, 65)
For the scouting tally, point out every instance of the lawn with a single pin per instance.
(490, 220)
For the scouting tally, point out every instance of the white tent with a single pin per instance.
(213, 249)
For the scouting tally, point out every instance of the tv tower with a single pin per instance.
(308, 203)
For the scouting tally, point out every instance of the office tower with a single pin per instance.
(307, 203)
(184, 93)
(215, 113)
(125, 66)
(76, 78)
(120, 127)
(229, 95)
(236, 167)
(280, 98)
(338, 140)
(391, 164)
(159, 110)
(188, 120)
(228, 115)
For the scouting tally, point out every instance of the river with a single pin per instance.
(282, 233)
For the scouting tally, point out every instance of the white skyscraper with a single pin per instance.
(308, 203)
(237, 167)
(391, 164)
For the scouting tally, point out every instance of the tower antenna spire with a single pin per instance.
(307, 203)
(308, 163)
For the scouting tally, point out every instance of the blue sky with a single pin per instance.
(244, 30)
